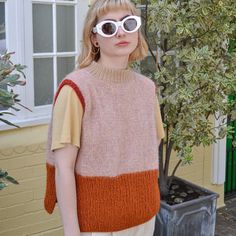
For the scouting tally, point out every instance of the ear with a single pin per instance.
(94, 39)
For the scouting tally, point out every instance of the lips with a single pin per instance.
(122, 43)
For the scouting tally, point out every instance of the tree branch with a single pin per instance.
(168, 154)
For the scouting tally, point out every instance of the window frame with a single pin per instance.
(19, 39)
(4, 1)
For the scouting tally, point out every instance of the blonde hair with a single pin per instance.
(96, 10)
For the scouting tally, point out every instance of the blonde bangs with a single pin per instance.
(103, 7)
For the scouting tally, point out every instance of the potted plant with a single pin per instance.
(10, 76)
(194, 73)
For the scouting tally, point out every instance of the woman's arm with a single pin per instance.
(65, 159)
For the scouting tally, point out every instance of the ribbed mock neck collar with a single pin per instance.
(112, 75)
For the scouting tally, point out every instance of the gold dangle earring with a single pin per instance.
(97, 47)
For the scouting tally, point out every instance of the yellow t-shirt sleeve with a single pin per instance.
(67, 119)
(159, 124)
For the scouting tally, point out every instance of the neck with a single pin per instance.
(115, 62)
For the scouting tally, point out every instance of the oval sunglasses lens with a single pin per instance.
(109, 28)
(130, 24)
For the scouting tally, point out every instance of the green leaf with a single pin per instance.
(6, 113)
(3, 174)
(2, 185)
(234, 143)
(9, 123)
(11, 179)
(5, 94)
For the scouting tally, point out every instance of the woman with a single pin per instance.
(102, 164)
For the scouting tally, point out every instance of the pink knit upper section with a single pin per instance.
(118, 128)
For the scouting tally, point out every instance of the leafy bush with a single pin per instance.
(10, 76)
(194, 69)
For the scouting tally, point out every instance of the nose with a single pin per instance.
(120, 32)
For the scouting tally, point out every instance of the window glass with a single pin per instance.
(65, 28)
(43, 81)
(42, 28)
(54, 36)
(65, 65)
(2, 28)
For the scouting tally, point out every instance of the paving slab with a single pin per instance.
(226, 219)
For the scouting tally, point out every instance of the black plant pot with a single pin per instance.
(192, 218)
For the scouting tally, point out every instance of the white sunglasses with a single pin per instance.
(109, 28)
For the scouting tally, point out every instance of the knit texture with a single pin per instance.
(50, 195)
(116, 203)
(117, 163)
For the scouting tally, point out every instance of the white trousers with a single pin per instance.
(145, 229)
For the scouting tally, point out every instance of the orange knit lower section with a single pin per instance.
(108, 204)
(50, 195)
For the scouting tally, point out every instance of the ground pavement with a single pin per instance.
(226, 219)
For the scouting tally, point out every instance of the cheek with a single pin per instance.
(104, 42)
(134, 39)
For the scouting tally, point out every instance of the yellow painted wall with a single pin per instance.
(22, 154)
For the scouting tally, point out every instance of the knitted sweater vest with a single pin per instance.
(116, 168)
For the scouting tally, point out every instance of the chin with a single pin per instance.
(123, 51)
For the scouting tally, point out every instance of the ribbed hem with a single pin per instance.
(109, 204)
(112, 75)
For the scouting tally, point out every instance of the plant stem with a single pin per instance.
(162, 178)
(173, 173)
(167, 160)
